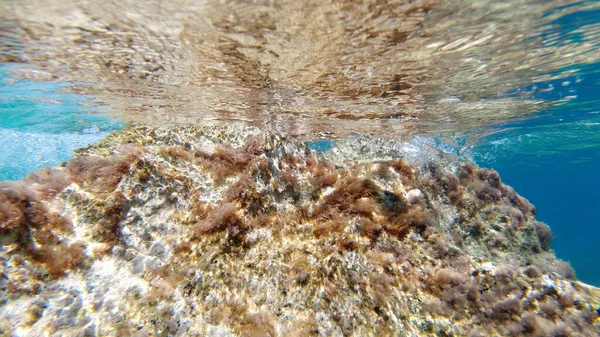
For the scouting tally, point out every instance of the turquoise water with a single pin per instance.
(41, 124)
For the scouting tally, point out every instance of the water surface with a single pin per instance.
(307, 68)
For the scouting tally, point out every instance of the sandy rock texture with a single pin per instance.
(226, 231)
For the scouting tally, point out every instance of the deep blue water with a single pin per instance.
(553, 160)
(567, 196)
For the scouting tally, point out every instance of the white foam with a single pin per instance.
(26, 152)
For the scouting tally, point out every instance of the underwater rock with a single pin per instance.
(230, 232)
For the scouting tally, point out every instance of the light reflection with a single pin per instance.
(306, 68)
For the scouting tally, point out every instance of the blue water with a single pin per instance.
(41, 124)
(567, 196)
(553, 160)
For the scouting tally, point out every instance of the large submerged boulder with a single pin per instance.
(230, 232)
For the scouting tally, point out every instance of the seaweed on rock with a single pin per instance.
(27, 222)
(263, 238)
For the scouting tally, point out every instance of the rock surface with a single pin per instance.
(230, 232)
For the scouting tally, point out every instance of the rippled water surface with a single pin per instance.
(307, 68)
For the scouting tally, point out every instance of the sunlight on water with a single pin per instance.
(41, 124)
(307, 68)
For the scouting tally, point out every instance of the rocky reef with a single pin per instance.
(226, 231)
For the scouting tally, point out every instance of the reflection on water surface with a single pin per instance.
(305, 68)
